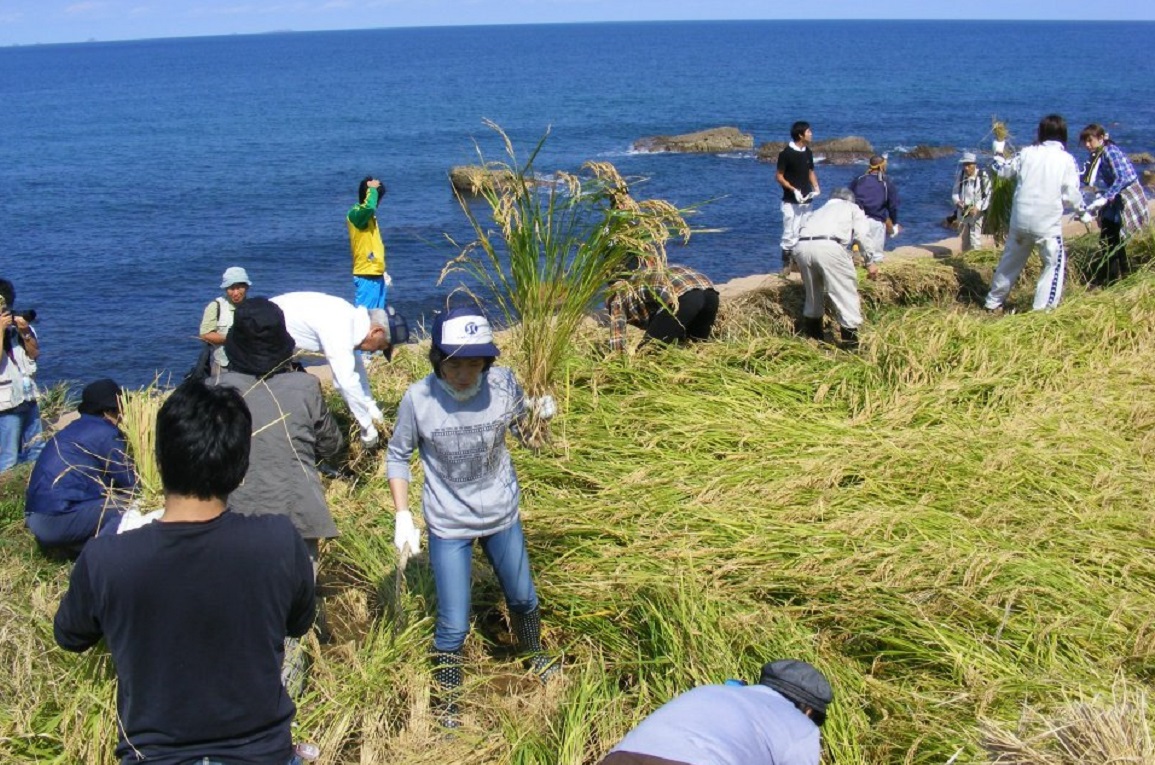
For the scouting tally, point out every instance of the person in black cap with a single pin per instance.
(82, 481)
(292, 426)
(774, 722)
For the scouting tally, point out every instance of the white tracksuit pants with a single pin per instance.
(827, 269)
(1019, 245)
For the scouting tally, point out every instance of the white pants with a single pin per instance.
(827, 269)
(876, 233)
(793, 216)
(970, 231)
(1019, 245)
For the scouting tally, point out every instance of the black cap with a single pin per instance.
(800, 682)
(258, 343)
(100, 397)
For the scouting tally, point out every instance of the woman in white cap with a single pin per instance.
(971, 197)
(457, 417)
(774, 721)
(218, 315)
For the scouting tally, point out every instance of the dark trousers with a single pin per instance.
(1113, 264)
(70, 530)
(697, 310)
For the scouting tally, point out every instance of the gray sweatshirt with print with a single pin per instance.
(470, 486)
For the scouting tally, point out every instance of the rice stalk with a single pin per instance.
(138, 411)
(547, 253)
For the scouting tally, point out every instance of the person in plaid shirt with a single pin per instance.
(671, 303)
(1121, 204)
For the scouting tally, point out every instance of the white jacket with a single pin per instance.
(326, 324)
(1047, 178)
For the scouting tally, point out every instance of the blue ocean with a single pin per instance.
(133, 173)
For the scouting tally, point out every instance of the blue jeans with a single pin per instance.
(452, 561)
(20, 435)
(81, 522)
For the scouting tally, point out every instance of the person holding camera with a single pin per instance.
(20, 428)
(370, 282)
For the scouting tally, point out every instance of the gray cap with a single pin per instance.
(234, 275)
(800, 682)
(968, 158)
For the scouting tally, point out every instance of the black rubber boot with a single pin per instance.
(787, 261)
(849, 338)
(527, 631)
(447, 678)
(812, 328)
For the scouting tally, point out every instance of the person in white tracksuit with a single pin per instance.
(1048, 180)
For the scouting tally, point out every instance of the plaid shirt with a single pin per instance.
(636, 299)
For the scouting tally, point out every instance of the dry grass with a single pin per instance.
(954, 524)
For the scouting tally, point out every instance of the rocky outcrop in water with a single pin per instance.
(922, 151)
(836, 151)
(472, 179)
(712, 141)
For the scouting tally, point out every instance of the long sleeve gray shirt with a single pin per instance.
(470, 486)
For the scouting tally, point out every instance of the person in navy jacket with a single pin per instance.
(83, 479)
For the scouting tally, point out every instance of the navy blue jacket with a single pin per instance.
(877, 197)
(79, 464)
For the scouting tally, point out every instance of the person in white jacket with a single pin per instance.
(326, 324)
(1048, 180)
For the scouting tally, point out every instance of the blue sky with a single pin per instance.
(47, 21)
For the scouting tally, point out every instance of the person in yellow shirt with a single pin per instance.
(370, 281)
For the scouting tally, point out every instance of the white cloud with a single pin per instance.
(85, 8)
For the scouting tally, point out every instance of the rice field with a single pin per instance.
(955, 524)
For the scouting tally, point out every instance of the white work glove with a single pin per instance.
(405, 533)
(1097, 204)
(543, 407)
(895, 230)
(1086, 218)
(998, 147)
(798, 196)
(813, 195)
(387, 279)
(369, 437)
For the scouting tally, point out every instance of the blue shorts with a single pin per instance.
(369, 291)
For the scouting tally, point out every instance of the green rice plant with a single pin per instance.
(997, 221)
(555, 247)
(138, 410)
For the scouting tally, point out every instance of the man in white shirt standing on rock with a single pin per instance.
(827, 267)
(322, 323)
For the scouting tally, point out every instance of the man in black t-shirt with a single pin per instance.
(195, 607)
(799, 186)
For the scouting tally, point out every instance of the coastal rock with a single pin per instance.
(836, 151)
(473, 179)
(1149, 179)
(712, 141)
(1142, 158)
(922, 151)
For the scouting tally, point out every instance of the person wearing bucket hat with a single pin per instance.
(292, 426)
(971, 198)
(321, 323)
(775, 721)
(457, 418)
(218, 315)
(83, 480)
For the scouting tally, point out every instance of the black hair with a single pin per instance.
(436, 356)
(1094, 130)
(817, 717)
(8, 293)
(798, 129)
(1053, 128)
(202, 440)
(363, 189)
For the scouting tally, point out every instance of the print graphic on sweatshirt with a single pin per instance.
(469, 452)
